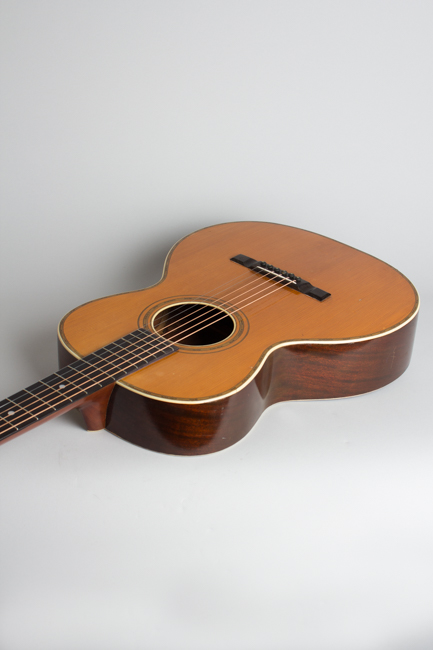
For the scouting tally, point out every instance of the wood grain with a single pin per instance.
(291, 373)
(369, 299)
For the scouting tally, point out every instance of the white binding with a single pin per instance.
(283, 344)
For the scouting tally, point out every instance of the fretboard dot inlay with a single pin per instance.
(84, 377)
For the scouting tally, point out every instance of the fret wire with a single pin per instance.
(8, 405)
(154, 353)
(159, 351)
(159, 339)
(69, 381)
(55, 389)
(146, 352)
(92, 366)
(26, 390)
(151, 340)
(129, 340)
(88, 378)
(127, 358)
(36, 409)
(118, 344)
(110, 362)
(90, 382)
(7, 431)
(163, 342)
(50, 406)
(20, 424)
(95, 368)
(9, 424)
(78, 387)
(19, 416)
(84, 375)
(22, 408)
(140, 340)
(124, 344)
(29, 412)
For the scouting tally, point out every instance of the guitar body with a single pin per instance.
(269, 347)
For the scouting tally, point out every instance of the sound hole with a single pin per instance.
(194, 324)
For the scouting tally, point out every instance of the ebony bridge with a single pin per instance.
(283, 277)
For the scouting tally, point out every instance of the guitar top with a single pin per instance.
(246, 314)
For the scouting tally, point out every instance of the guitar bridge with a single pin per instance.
(283, 277)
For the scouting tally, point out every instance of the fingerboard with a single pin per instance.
(81, 378)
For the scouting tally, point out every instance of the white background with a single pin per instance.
(124, 126)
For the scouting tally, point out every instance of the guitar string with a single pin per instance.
(286, 281)
(132, 347)
(181, 308)
(17, 428)
(233, 283)
(213, 307)
(92, 379)
(170, 332)
(213, 295)
(114, 355)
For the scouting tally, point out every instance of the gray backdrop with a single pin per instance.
(124, 126)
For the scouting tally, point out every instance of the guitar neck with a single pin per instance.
(64, 389)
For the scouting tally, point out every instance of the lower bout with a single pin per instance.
(321, 371)
(326, 371)
(309, 371)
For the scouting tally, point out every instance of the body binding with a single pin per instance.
(371, 346)
(298, 372)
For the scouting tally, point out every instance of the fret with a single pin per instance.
(22, 408)
(109, 365)
(55, 389)
(28, 403)
(84, 373)
(5, 424)
(82, 377)
(144, 336)
(7, 430)
(128, 346)
(32, 394)
(1, 418)
(93, 366)
(137, 339)
(153, 349)
(156, 340)
(62, 375)
(18, 416)
(122, 350)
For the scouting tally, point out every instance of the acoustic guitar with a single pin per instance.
(246, 314)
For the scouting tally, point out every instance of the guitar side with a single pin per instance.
(364, 350)
(298, 372)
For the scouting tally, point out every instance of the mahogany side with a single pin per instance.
(368, 299)
(290, 373)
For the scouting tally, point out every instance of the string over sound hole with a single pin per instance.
(194, 324)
